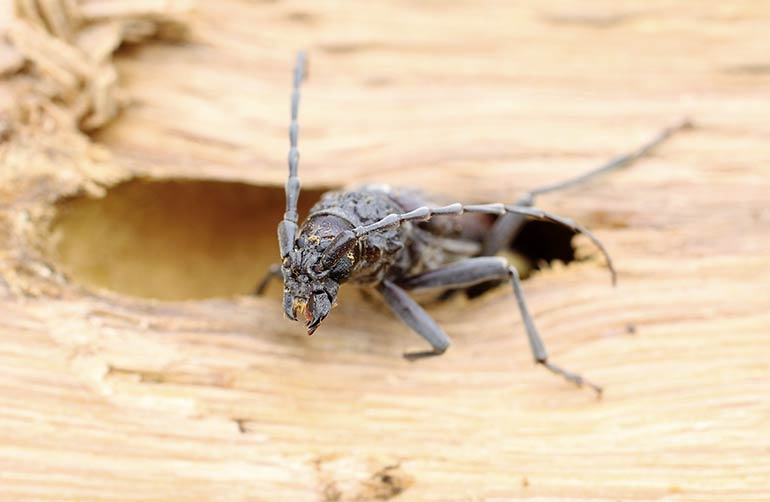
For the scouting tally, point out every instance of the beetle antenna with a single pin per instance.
(287, 229)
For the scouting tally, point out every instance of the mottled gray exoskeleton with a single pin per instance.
(393, 240)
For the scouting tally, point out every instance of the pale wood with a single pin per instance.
(105, 396)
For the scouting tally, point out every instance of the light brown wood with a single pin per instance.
(134, 367)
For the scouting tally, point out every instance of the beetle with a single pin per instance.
(396, 241)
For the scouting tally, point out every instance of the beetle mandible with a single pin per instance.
(394, 240)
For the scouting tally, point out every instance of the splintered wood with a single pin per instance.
(142, 160)
(69, 47)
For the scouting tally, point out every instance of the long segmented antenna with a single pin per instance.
(618, 162)
(287, 229)
(507, 227)
(426, 213)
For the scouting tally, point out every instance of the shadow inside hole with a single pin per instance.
(538, 243)
(542, 242)
(172, 240)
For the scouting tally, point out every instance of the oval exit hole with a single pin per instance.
(172, 240)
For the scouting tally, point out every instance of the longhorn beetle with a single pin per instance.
(393, 240)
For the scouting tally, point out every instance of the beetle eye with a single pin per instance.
(338, 248)
(341, 271)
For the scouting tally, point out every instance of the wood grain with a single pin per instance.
(108, 396)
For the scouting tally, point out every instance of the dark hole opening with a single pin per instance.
(542, 242)
(538, 244)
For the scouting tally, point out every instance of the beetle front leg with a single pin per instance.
(273, 271)
(416, 318)
(476, 270)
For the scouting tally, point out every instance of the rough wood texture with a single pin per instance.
(105, 396)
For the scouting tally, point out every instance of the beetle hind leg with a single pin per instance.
(480, 269)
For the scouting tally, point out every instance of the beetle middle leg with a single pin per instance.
(480, 269)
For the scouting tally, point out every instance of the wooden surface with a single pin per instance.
(107, 394)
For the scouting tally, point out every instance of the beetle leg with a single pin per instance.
(273, 271)
(477, 270)
(508, 226)
(416, 318)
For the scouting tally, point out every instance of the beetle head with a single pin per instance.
(312, 273)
